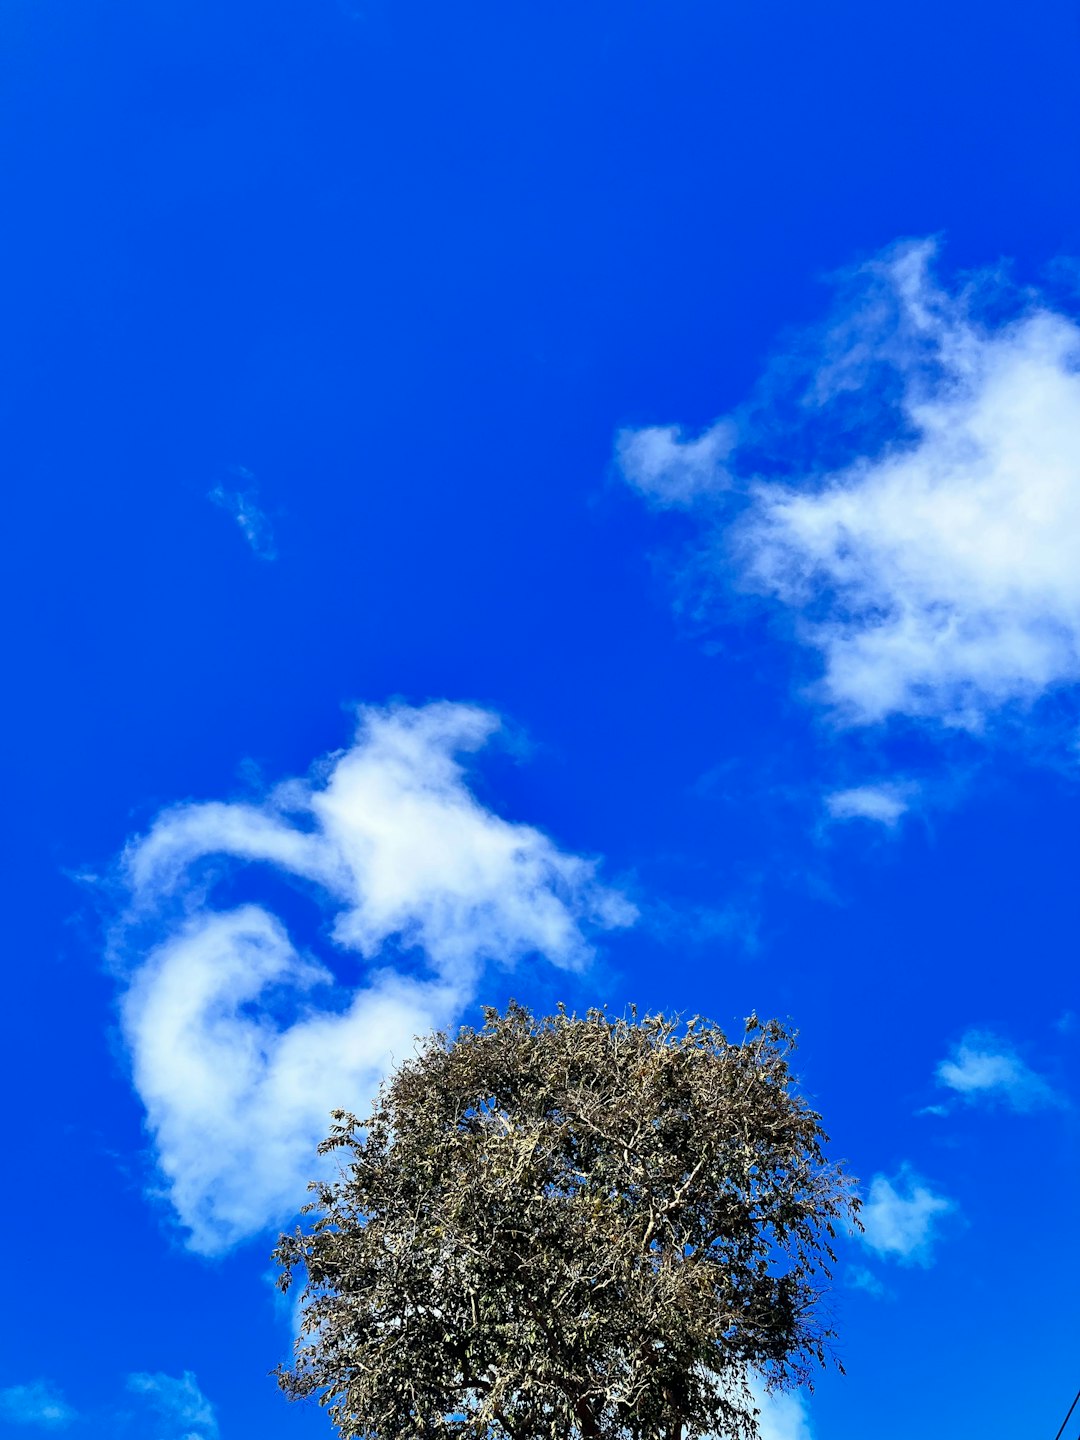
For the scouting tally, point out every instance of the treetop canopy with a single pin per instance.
(569, 1226)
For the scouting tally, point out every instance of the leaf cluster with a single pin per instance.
(569, 1227)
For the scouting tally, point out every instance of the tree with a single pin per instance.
(569, 1229)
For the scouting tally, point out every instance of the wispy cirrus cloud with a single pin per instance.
(181, 1411)
(858, 1277)
(243, 505)
(241, 1043)
(178, 1403)
(985, 1069)
(910, 499)
(38, 1404)
(884, 804)
(900, 1217)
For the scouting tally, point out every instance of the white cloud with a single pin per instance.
(930, 560)
(783, 1414)
(409, 861)
(38, 1403)
(900, 1218)
(254, 525)
(884, 804)
(179, 1404)
(985, 1068)
(671, 470)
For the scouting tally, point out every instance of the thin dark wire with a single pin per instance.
(1064, 1422)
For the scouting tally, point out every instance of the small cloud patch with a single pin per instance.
(243, 506)
(985, 1069)
(38, 1403)
(179, 1404)
(670, 470)
(782, 1414)
(900, 1218)
(858, 1277)
(881, 804)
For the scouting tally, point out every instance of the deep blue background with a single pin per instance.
(411, 265)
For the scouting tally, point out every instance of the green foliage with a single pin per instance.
(569, 1227)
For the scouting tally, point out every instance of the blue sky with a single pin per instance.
(568, 502)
